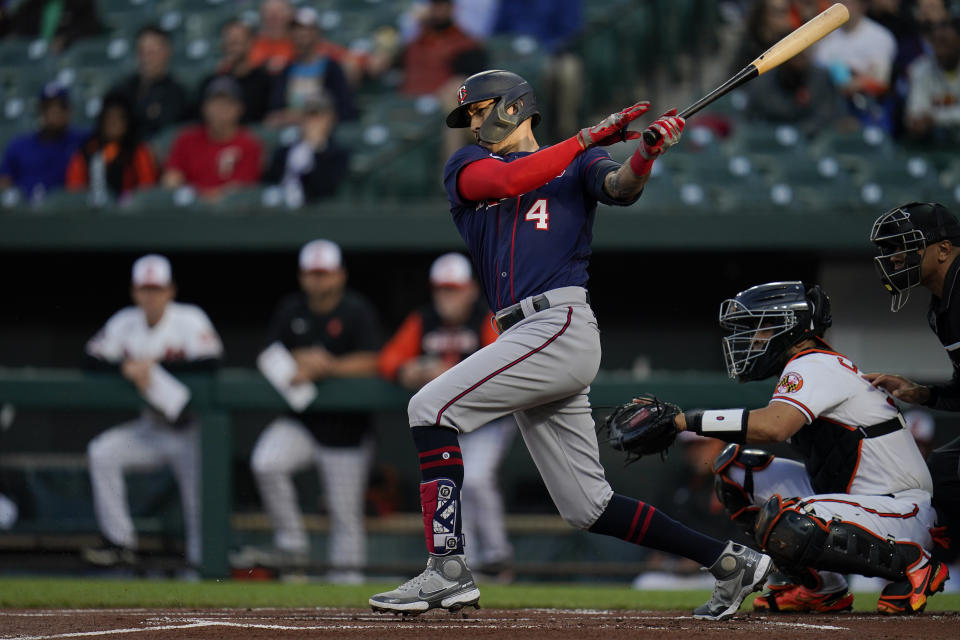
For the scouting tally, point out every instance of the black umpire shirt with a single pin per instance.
(944, 319)
(352, 326)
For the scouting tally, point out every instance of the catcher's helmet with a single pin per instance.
(788, 310)
(507, 89)
(902, 234)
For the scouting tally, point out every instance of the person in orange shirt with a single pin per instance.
(272, 47)
(114, 158)
(431, 340)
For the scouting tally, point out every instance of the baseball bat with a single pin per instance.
(791, 44)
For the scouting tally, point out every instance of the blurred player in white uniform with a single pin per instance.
(859, 501)
(432, 339)
(146, 343)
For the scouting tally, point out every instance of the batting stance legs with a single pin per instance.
(540, 370)
(834, 534)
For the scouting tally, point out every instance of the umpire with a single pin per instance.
(919, 244)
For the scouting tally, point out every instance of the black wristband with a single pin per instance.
(729, 425)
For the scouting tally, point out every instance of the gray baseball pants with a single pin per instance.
(540, 371)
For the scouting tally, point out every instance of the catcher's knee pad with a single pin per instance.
(797, 539)
(735, 497)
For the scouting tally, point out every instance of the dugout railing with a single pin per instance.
(215, 398)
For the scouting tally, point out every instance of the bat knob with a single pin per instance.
(651, 137)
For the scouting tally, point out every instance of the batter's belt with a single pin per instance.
(509, 316)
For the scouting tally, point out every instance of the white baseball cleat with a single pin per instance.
(446, 583)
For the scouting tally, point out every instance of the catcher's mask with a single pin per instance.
(507, 89)
(766, 320)
(902, 235)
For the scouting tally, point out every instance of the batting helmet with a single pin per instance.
(902, 234)
(790, 311)
(507, 89)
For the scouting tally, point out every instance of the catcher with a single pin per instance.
(859, 502)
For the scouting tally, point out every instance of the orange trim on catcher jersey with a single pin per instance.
(904, 516)
(799, 404)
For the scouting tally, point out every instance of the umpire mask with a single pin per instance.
(902, 235)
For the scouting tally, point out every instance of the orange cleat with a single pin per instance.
(795, 598)
(910, 595)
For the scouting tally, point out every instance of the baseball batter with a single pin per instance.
(919, 245)
(526, 213)
(143, 343)
(859, 502)
(431, 340)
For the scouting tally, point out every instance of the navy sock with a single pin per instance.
(639, 523)
(441, 476)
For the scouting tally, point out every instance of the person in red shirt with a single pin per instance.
(441, 54)
(432, 339)
(219, 154)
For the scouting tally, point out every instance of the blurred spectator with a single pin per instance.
(933, 100)
(36, 163)
(431, 340)
(555, 25)
(441, 55)
(309, 74)
(147, 343)
(331, 332)
(477, 18)
(57, 22)
(158, 99)
(795, 93)
(272, 48)
(767, 22)
(313, 167)
(803, 10)
(859, 56)
(236, 39)
(922, 428)
(218, 154)
(113, 159)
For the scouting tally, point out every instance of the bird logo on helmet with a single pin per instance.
(902, 234)
(764, 321)
(508, 90)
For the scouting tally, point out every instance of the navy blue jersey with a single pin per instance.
(539, 241)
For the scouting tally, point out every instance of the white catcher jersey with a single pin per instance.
(183, 333)
(836, 401)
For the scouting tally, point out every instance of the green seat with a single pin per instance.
(66, 202)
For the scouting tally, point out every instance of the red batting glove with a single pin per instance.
(613, 128)
(669, 126)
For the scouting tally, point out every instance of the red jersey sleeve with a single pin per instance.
(402, 347)
(492, 179)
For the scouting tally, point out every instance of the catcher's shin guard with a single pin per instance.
(735, 497)
(797, 539)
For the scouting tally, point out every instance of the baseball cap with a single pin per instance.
(55, 91)
(152, 270)
(451, 270)
(222, 86)
(934, 220)
(306, 17)
(320, 255)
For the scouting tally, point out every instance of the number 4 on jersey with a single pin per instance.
(539, 213)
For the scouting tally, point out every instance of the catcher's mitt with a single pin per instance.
(642, 426)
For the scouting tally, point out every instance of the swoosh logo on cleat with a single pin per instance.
(431, 594)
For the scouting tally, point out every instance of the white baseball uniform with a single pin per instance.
(878, 482)
(184, 334)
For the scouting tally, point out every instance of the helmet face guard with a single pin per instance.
(901, 247)
(757, 339)
(765, 321)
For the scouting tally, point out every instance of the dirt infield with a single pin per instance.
(527, 624)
